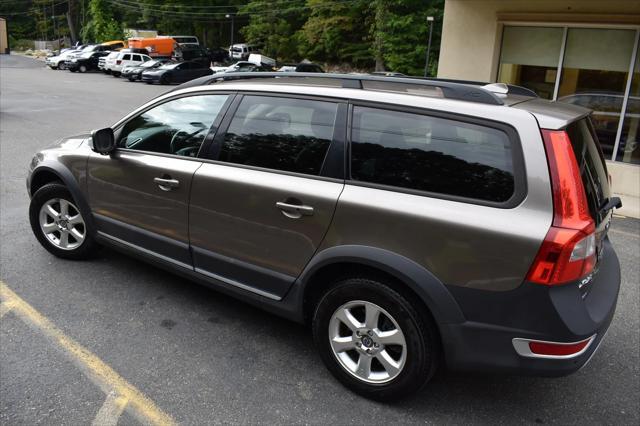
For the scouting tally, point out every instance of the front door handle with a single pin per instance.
(294, 211)
(166, 183)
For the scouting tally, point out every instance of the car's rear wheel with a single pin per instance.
(165, 79)
(374, 340)
(83, 68)
(58, 223)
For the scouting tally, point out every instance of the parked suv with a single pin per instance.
(115, 64)
(410, 223)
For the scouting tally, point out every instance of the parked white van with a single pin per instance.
(241, 51)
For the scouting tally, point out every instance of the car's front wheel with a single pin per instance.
(374, 340)
(58, 223)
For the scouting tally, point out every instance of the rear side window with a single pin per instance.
(593, 168)
(431, 154)
(126, 57)
(285, 134)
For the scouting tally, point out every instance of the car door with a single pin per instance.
(180, 72)
(139, 194)
(259, 211)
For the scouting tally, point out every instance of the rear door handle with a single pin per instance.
(294, 211)
(166, 184)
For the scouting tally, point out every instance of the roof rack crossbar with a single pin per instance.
(450, 89)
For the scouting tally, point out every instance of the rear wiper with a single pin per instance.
(609, 204)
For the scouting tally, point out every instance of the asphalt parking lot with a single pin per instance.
(73, 332)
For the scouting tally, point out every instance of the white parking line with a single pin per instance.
(111, 410)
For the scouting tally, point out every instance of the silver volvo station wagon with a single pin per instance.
(410, 223)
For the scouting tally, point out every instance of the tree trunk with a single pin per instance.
(70, 23)
(378, 33)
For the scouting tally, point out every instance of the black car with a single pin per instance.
(194, 54)
(301, 67)
(178, 72)
(218, 54)
(87, 61)
(133, 73)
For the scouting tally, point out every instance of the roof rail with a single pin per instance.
(513, 89)
(450, 89)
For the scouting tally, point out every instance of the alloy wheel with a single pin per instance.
(367, 341)
(62, 224)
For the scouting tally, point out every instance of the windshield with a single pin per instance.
(88, 49)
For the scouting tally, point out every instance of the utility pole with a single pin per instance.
(231, 16)
(430, 21)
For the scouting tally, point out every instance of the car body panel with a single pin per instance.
(233, 213)
(121, 187)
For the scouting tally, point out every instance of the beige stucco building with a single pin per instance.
(4, 37)
(583, 52)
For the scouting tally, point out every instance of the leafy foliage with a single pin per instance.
(362, 34)
(102, 26)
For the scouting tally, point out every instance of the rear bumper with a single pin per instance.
(485, 341)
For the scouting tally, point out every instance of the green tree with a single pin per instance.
(405, 33)
(336, 32)
(272, 25)
(102, 26)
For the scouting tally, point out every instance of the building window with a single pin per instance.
(529, 58)
(594, 75)
(628, 150)
(594, 72)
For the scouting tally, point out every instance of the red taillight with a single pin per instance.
(568, 250)
(118, 62)
(557, 349)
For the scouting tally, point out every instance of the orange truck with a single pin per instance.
(157, 47)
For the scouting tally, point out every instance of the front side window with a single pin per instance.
(175, 127)
(285, 134)
(431, 154)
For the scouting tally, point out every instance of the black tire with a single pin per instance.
(83, 68)
(62, 66)
(131, 78)
(165, 80)
(116, 74)
(72, 69)
(419, 330)
(48, 192)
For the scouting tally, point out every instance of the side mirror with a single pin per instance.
(102, 141)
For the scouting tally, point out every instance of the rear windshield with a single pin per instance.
(592, 165)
